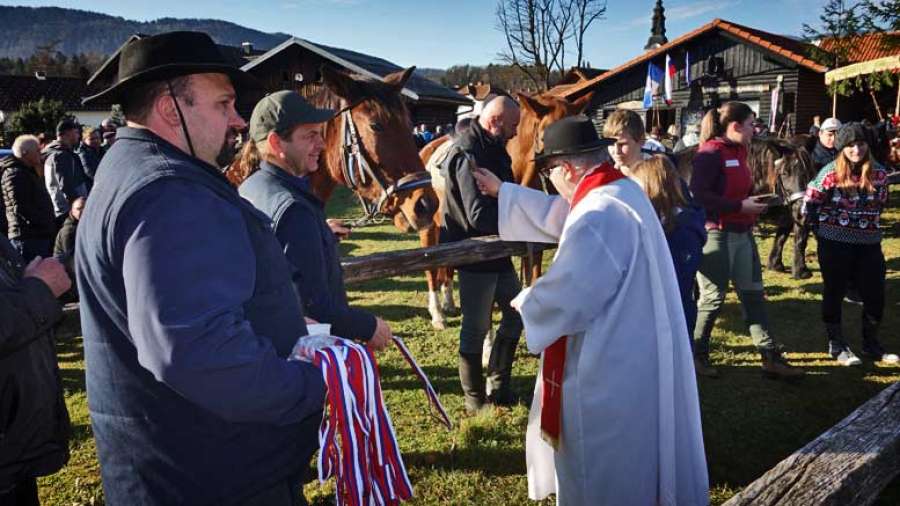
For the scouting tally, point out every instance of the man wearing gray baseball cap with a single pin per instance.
(284, 147)
(824, 152)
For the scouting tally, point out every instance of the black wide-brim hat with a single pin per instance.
(572, 135)
(169, 55)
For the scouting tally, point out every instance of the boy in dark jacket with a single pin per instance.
(34, 423)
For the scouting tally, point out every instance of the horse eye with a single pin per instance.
(376, 127)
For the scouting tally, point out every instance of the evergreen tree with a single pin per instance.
(38, 117)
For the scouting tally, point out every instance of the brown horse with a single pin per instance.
(783, 167)
(369, 148)
(536, 113)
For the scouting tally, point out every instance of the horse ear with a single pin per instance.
(398, 79)
(532, 104)
(340, 83)
(580, 104)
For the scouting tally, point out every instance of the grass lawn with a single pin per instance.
(750, 423)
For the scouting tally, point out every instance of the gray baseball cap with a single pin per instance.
(282, 111)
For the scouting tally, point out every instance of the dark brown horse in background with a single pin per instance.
(783, 167)
(536, 113)
(375, 124)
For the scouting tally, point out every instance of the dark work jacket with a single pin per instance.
(90, 160)
(34, 423)
(64, 176)
(29, 213)
(467, 213)
(310, 247)
(188, 314)
(65, 239)
(822, 156)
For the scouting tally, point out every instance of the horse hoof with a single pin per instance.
(777, 268)
(438, 325)
(804, 274)
(450, 311)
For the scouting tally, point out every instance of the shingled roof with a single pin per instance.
(870, 46)
(18, 90)
(786, 47)
(371, 66)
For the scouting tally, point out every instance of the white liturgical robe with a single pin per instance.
(631, 432)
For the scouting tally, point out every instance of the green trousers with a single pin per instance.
(731, 256)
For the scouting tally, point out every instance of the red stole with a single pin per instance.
(555, 354)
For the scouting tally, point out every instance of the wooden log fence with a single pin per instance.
(848, 465)
(396, 263)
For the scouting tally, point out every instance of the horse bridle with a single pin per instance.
(358, 173)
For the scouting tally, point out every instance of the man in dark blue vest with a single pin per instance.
(187, 306)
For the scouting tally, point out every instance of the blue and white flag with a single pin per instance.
(654, 80)
(687, 67)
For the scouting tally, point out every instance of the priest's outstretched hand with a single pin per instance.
(488, 183)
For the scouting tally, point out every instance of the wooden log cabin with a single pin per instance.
(727, 61)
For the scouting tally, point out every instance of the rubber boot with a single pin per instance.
(774, 366)
(472, 381)
(503, 354)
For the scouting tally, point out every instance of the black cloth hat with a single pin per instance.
(571, 136)
(848, 134)
(169, 55)
(65, 125)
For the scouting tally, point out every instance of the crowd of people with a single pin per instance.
(193, 393)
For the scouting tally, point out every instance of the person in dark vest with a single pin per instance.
(187, 307)
(285, 143)
(469, 213)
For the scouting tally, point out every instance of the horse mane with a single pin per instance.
(380, 97)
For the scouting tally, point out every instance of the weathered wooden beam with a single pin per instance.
(848, 465)
(395, 263)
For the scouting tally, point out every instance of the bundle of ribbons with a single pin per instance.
(357, 442)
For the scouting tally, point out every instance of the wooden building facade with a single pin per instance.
(727, 61)
(296, 63)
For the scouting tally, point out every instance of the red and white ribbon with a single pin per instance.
(429, 390)
(357, 442)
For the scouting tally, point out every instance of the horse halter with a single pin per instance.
(358, 173)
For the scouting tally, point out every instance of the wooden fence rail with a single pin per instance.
(395, 263)
(848, 465)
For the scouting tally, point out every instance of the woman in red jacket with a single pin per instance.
(721, 183)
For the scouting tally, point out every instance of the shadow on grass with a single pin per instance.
(486, 460)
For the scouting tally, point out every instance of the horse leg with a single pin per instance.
(448, 304)
(538, 260)
(782, 231)
(429, 237)
(801, 236)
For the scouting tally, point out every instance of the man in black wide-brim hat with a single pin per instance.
(187, 306)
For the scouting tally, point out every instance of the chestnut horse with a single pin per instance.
(370, 149)
(536, 113)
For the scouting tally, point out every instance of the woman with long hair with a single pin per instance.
(682, 223)
(721, 184)
(843, 206)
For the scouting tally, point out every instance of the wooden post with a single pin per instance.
(834, 105)
(875, 101)
(897, 106)
(848, 465)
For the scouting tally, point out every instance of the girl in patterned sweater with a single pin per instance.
(843, 205)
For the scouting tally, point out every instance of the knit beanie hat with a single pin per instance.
(848, 134)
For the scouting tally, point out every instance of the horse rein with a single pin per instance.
(356, 170)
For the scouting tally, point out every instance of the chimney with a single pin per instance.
(40, 75)
(247, 47)
(658, 33)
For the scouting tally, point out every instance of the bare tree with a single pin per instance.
(586, 12)
(536, 33)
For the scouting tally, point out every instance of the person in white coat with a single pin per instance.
(624, 428)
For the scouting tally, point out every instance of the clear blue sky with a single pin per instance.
(430, 33)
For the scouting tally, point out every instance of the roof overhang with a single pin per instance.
(887, 63)
(305, 44)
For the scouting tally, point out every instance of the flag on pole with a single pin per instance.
(687, 68)
(670, 79)
(654, 80)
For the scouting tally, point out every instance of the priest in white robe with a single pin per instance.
(626, 430)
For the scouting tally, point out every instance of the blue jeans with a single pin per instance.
(478, 291)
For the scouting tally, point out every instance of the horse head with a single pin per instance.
(536, 113)
(369, 148)
(780, 167)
